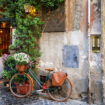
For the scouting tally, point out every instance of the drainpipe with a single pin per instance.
(89, 77)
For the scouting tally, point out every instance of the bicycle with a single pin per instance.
(22, 84)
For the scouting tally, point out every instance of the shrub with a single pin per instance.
(9, 66)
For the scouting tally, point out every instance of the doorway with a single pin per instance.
(5, 37)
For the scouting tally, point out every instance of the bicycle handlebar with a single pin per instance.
(33, 62)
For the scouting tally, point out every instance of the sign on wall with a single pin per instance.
(71, 56)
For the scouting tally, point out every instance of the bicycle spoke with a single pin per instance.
(61, 93)
(20, 85)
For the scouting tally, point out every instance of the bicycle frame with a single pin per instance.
(35, 77)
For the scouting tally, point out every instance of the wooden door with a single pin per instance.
(5, 40)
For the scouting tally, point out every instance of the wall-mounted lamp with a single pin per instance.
(96, 42)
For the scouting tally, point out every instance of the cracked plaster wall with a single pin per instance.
(52, 47)
(95, 61)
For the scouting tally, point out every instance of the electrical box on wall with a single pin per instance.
(96, 43)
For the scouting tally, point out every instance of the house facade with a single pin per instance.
(76, 48)
(73, 42)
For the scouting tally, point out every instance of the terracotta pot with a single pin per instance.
(22, 89)
(21, 68)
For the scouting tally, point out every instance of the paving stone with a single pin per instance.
(6, 98)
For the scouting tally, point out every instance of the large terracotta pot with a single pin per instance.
(21, 68)
(22, 89)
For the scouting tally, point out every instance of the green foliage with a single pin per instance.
(12, 47)
(51, 3)
(28, 26)
(6, 74)
(9, 67)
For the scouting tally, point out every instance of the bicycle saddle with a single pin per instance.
(49, 69)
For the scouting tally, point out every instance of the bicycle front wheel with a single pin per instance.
(20, 85)
(61, 93)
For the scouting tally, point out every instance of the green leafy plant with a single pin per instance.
(12, 47)
(28, 22)
(6, 74)
(51, 3)
(9, 66)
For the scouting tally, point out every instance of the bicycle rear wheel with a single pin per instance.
(61, 93)
(20, 85)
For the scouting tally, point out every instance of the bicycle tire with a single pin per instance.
(68, 92)
(20, 88)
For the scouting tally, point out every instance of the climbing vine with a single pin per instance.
(25, 16)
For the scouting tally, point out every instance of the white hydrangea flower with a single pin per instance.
(21, 57)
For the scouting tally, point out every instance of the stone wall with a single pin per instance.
(68, 51)
(95, 65)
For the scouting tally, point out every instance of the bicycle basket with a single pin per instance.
(58, 78)
(21, 68)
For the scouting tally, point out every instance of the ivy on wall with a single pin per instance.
(25, 16)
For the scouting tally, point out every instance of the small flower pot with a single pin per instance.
(21, 68)
(12, 52)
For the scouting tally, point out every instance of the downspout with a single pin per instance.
(103, 46)
(89, 78)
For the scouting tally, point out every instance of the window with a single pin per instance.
(95, 43)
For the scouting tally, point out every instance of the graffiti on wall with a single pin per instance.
(71, 56)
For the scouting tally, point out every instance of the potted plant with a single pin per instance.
(22, 61)
(23, 85)
(22, 88)
(12, 49)
(9, 66)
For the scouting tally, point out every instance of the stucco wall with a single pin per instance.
(95, 65)
(52, 46)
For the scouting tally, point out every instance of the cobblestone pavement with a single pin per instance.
(6, 98)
